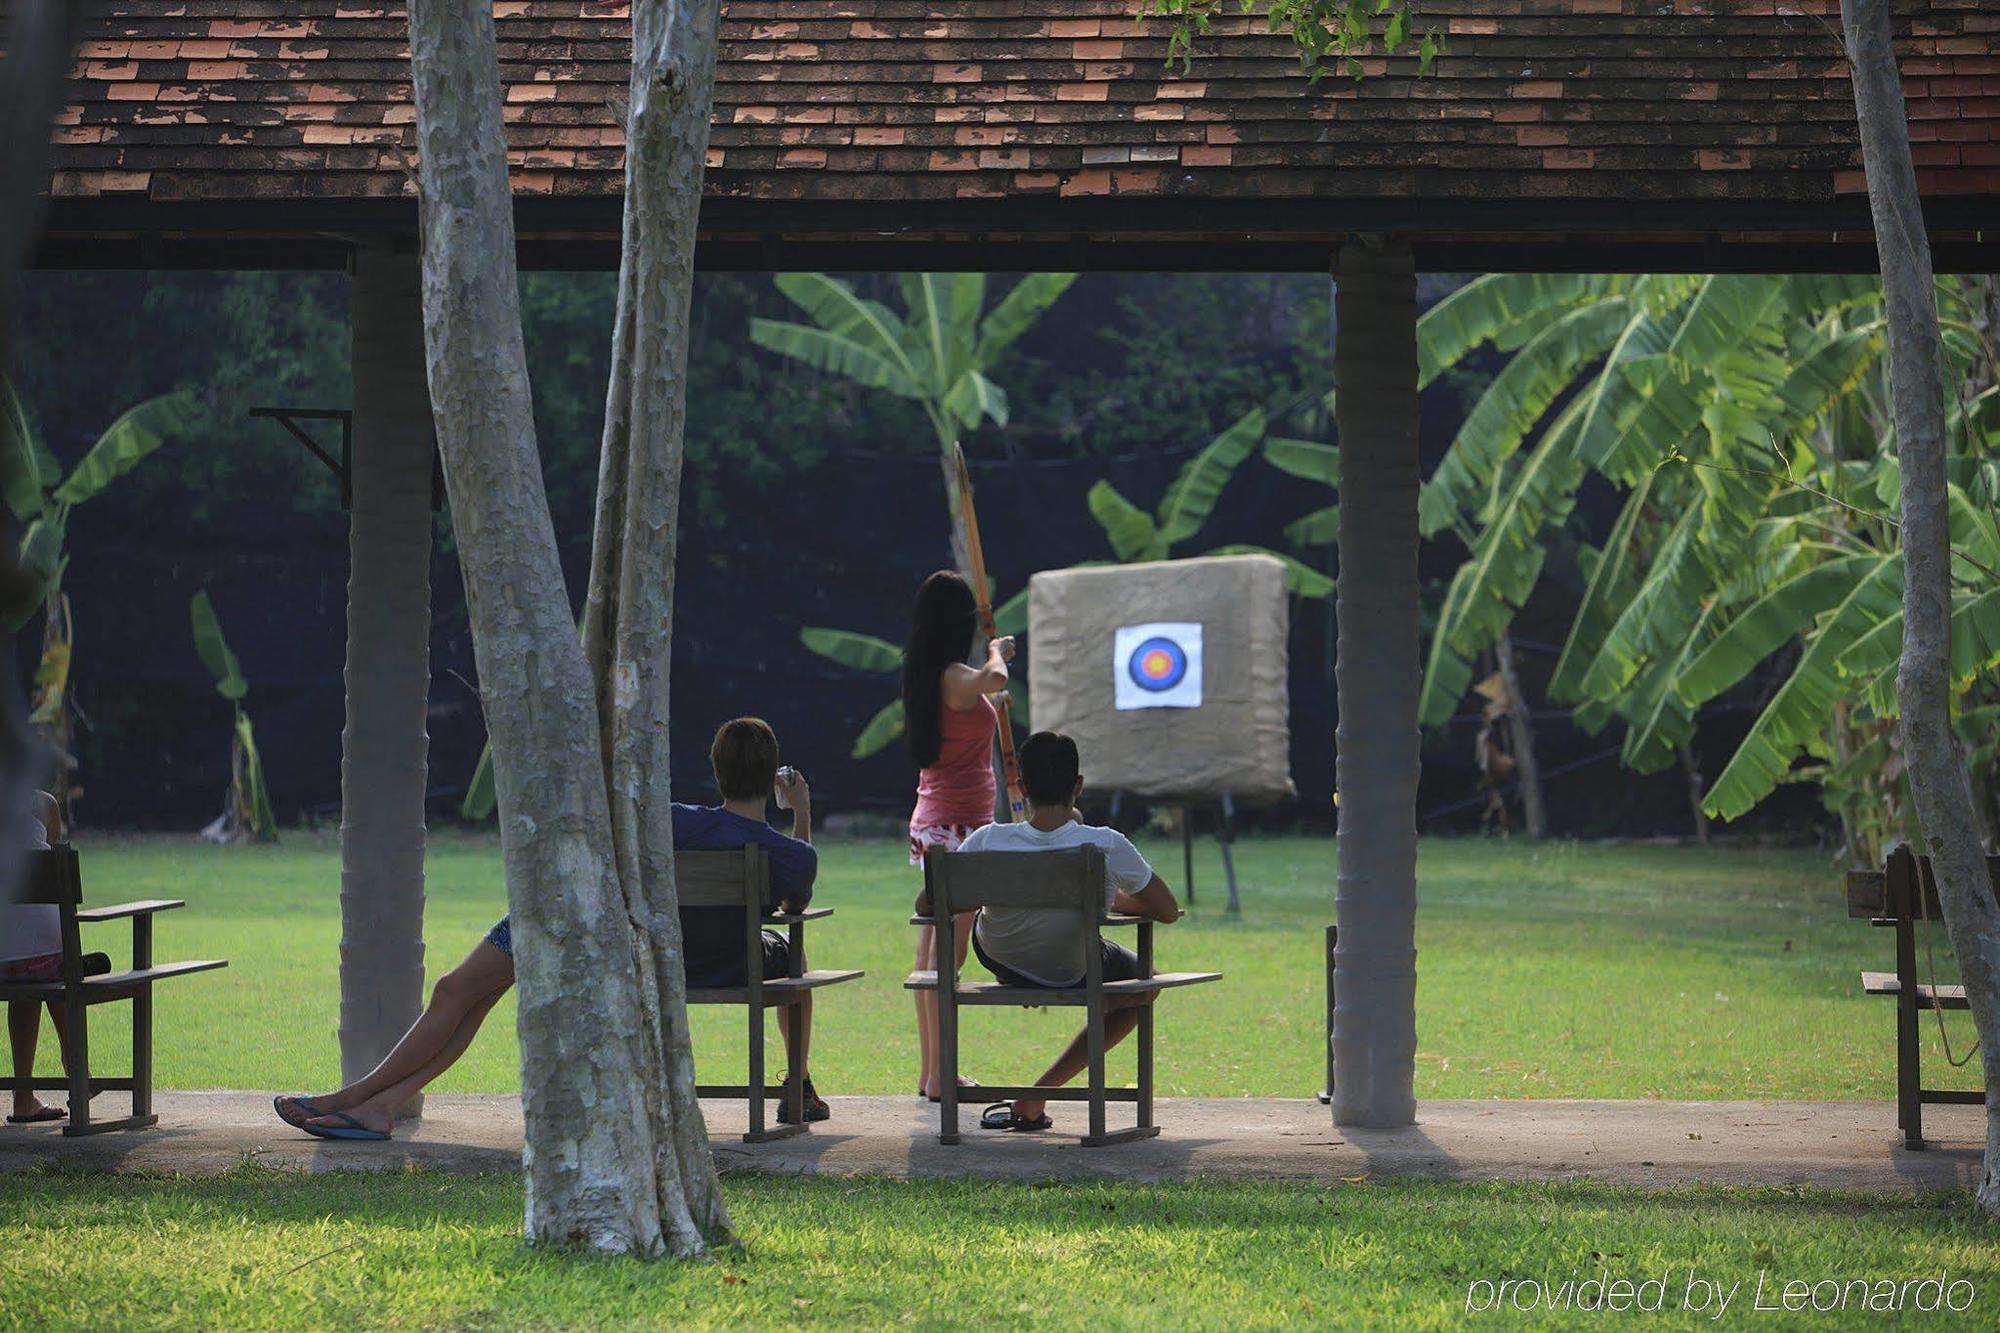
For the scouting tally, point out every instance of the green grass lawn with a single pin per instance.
(1558, 970)
(265, 1250)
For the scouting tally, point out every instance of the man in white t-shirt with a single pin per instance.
(1046, 946)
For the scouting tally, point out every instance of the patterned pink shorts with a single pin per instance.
(43, 967)
(947, 836)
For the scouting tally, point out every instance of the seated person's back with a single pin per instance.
(745, 760)
(1048, 946)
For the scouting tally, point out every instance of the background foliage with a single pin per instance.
(809, 500)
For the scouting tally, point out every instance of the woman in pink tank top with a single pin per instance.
(949, 725)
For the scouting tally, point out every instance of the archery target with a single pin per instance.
(1157, 665)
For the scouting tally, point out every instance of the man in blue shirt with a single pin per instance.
(745, 761)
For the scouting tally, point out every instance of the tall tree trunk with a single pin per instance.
(1521, 729)
(1379, 671)
(37, 41)
(598, 1173)
(629, 611)
(1923, 679)
(385, 748)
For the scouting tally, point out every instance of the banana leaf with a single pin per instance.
(52, 682)
(1011, 616)
(1017, 311)
(835, 354)
(1477, 312)
(481, 798)
(1770, 623)
(1301, 579)
(28, 471)
(1512, 405)
(1130, 529)
(1191, 498)
(1306, 459)
(121, 448)
(937, 336)
(1799, 709)
(837, 309)
(1613, 579)
(1975, 648)
(881, 732)
(1448, 674)
(215, 651)
(1657, 720)
(42, 560)
(863, 652)
(975, 397)
(1319, 528)
(257, 796)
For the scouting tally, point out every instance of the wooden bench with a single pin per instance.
(53, 877)
(1071, 880)
(742, 880)
(1897, 897)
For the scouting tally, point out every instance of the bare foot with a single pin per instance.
(367, 1115)
(30, 1107)
(934, 1090)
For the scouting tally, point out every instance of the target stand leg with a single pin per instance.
(1187, 849)
(1226, 834)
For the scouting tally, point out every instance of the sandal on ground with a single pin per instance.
(816, 1107)
(1001, 1115)
(41, 1117)
(295, 1115)
(348, 1128)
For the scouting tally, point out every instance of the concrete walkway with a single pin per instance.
(1842, 1145)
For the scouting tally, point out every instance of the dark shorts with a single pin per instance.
(1120, 964)
(727, 973)
(718, 974)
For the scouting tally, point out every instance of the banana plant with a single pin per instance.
(1744, 419)
(1136, 535)
(939, 353)
(248, 816)
(41, 498)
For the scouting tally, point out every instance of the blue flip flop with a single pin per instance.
(302, 1111)
(352, 1129)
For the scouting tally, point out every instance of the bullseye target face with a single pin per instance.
(1157, 665)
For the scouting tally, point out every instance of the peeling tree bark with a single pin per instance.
(1379, 671)
(385, 748)
(604, 1160)
(629, 609)
(1923, 679)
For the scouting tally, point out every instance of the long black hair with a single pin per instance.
(942, 624)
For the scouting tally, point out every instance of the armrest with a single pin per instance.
(796, 918)
(144, 907)
(1121, 919)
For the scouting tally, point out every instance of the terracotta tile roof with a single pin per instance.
(1681, 103)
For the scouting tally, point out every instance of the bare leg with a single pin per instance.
(927, 1001)
(805, 1011)
(476, 983)
(379, 1110)
(927, 1013)
(24, 1031)
(1118, 1024)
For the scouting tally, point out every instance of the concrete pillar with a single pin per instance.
(385, 746)
(1378, 674)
